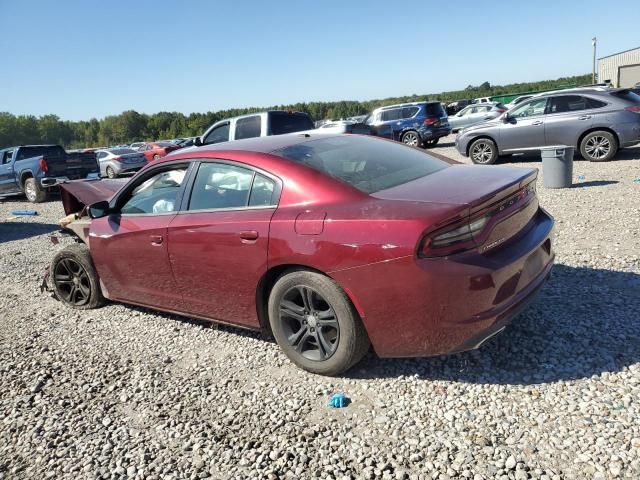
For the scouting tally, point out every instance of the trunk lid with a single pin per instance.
(505, 195)
(78, 194)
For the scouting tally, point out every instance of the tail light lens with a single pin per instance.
(43, 165)
(501, 110)
(117, 159)
(634, 109)
(453, 238)
(430, 120)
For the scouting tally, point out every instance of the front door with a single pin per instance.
(7, 175)
(129, 246)
(525, 128)
(218, 244)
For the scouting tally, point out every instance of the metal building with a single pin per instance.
(620, 69)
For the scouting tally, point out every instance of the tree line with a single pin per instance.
(131, 126)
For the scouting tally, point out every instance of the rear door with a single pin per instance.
(525, 128)
(568, 117)
(218, 242)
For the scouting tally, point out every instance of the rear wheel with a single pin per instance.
(74, 278)
(111, 173)
(483, 151)
(411, 138)
(598, 146)
(315, 324)
(33, 191)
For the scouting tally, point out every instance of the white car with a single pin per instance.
(517, 101)
(475, 113)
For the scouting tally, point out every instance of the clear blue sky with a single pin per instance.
(82, 59)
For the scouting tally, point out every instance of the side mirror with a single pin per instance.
(99, 209)
(197, 141)
(506, 118)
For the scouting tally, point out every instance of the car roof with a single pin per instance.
(258, 144)
(405, 105)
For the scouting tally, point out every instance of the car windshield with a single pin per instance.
(368, 164)
(284, 122)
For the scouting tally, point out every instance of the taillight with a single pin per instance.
(117, 159)
(501, 110)
(452, 239)
(43, 165)
(430, 120)
(634, 109)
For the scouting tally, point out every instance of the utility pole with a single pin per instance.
(594, 40)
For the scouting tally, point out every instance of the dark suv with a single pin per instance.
(417, 124)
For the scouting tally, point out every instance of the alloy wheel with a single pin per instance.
(598, 147)
(481, 152)
(309, 323)
(30, 191)
(411, 139)
(72, 281)
(111, 173)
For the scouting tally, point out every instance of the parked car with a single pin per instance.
(474, 114)
(136, 145)
(35, 170)
(416, 124)
(275, 122)
(455, 107)
(597, 121)
(120, 161)
(156, 150)
(345, 126)
(333, 242)
(482, 100)
(517, 101)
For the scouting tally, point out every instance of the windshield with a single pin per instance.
(368, 164)
(284, 122)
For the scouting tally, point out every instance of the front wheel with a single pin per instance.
(411, 138)
(315, 324)
(599, 146)
(483, 151)
(74, 278)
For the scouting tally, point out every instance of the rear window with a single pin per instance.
(284, 122)
(434, 110)
(368, 164)
(29, 152)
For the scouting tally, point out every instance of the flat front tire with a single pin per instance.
(315, 324)
(74, 278)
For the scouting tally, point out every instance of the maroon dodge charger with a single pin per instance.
(334, 243)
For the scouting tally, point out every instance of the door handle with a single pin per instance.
(584, 117)
(249, 235)
(156, 239)
(537, 122)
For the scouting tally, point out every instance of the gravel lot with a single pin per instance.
(122, 392)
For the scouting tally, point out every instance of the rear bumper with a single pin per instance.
(414, 307)
(433, 133)
(628, 133)
(47, 182)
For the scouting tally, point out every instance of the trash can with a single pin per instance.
(557, 166)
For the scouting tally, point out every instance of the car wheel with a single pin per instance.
(111, 173)
(431, 143)
(483, 151)
(74, 278)
(33, 192)
(315, 324)
(156, 156)
(599, 146)
(411, 138)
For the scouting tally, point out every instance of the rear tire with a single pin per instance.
(483, 151)
(411, 138)
(111, 173)
(156, 156)
(33, 191)
(599, 146)
(74, 278)
(315, 324)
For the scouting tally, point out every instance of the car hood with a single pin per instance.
(80, 193)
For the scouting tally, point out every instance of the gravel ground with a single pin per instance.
(123, 392)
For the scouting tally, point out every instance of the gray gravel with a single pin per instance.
(122, 392)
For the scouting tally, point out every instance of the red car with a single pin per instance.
(156, 150)
(332, 242)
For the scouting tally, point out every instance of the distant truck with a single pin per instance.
(34, 170)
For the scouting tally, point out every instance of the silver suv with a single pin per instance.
(597, 120)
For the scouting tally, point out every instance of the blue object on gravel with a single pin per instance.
(24, 212)
(339, 400)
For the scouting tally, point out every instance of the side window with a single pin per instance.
(248, 127)
(218, 134)
(101, 155)
(219, 185)
(393, 114)
(529, 109)
(262, 191)
(158, 194)
(593, 103)
(408, 112)
(6, 157)
(567, 103)
(484, 109)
